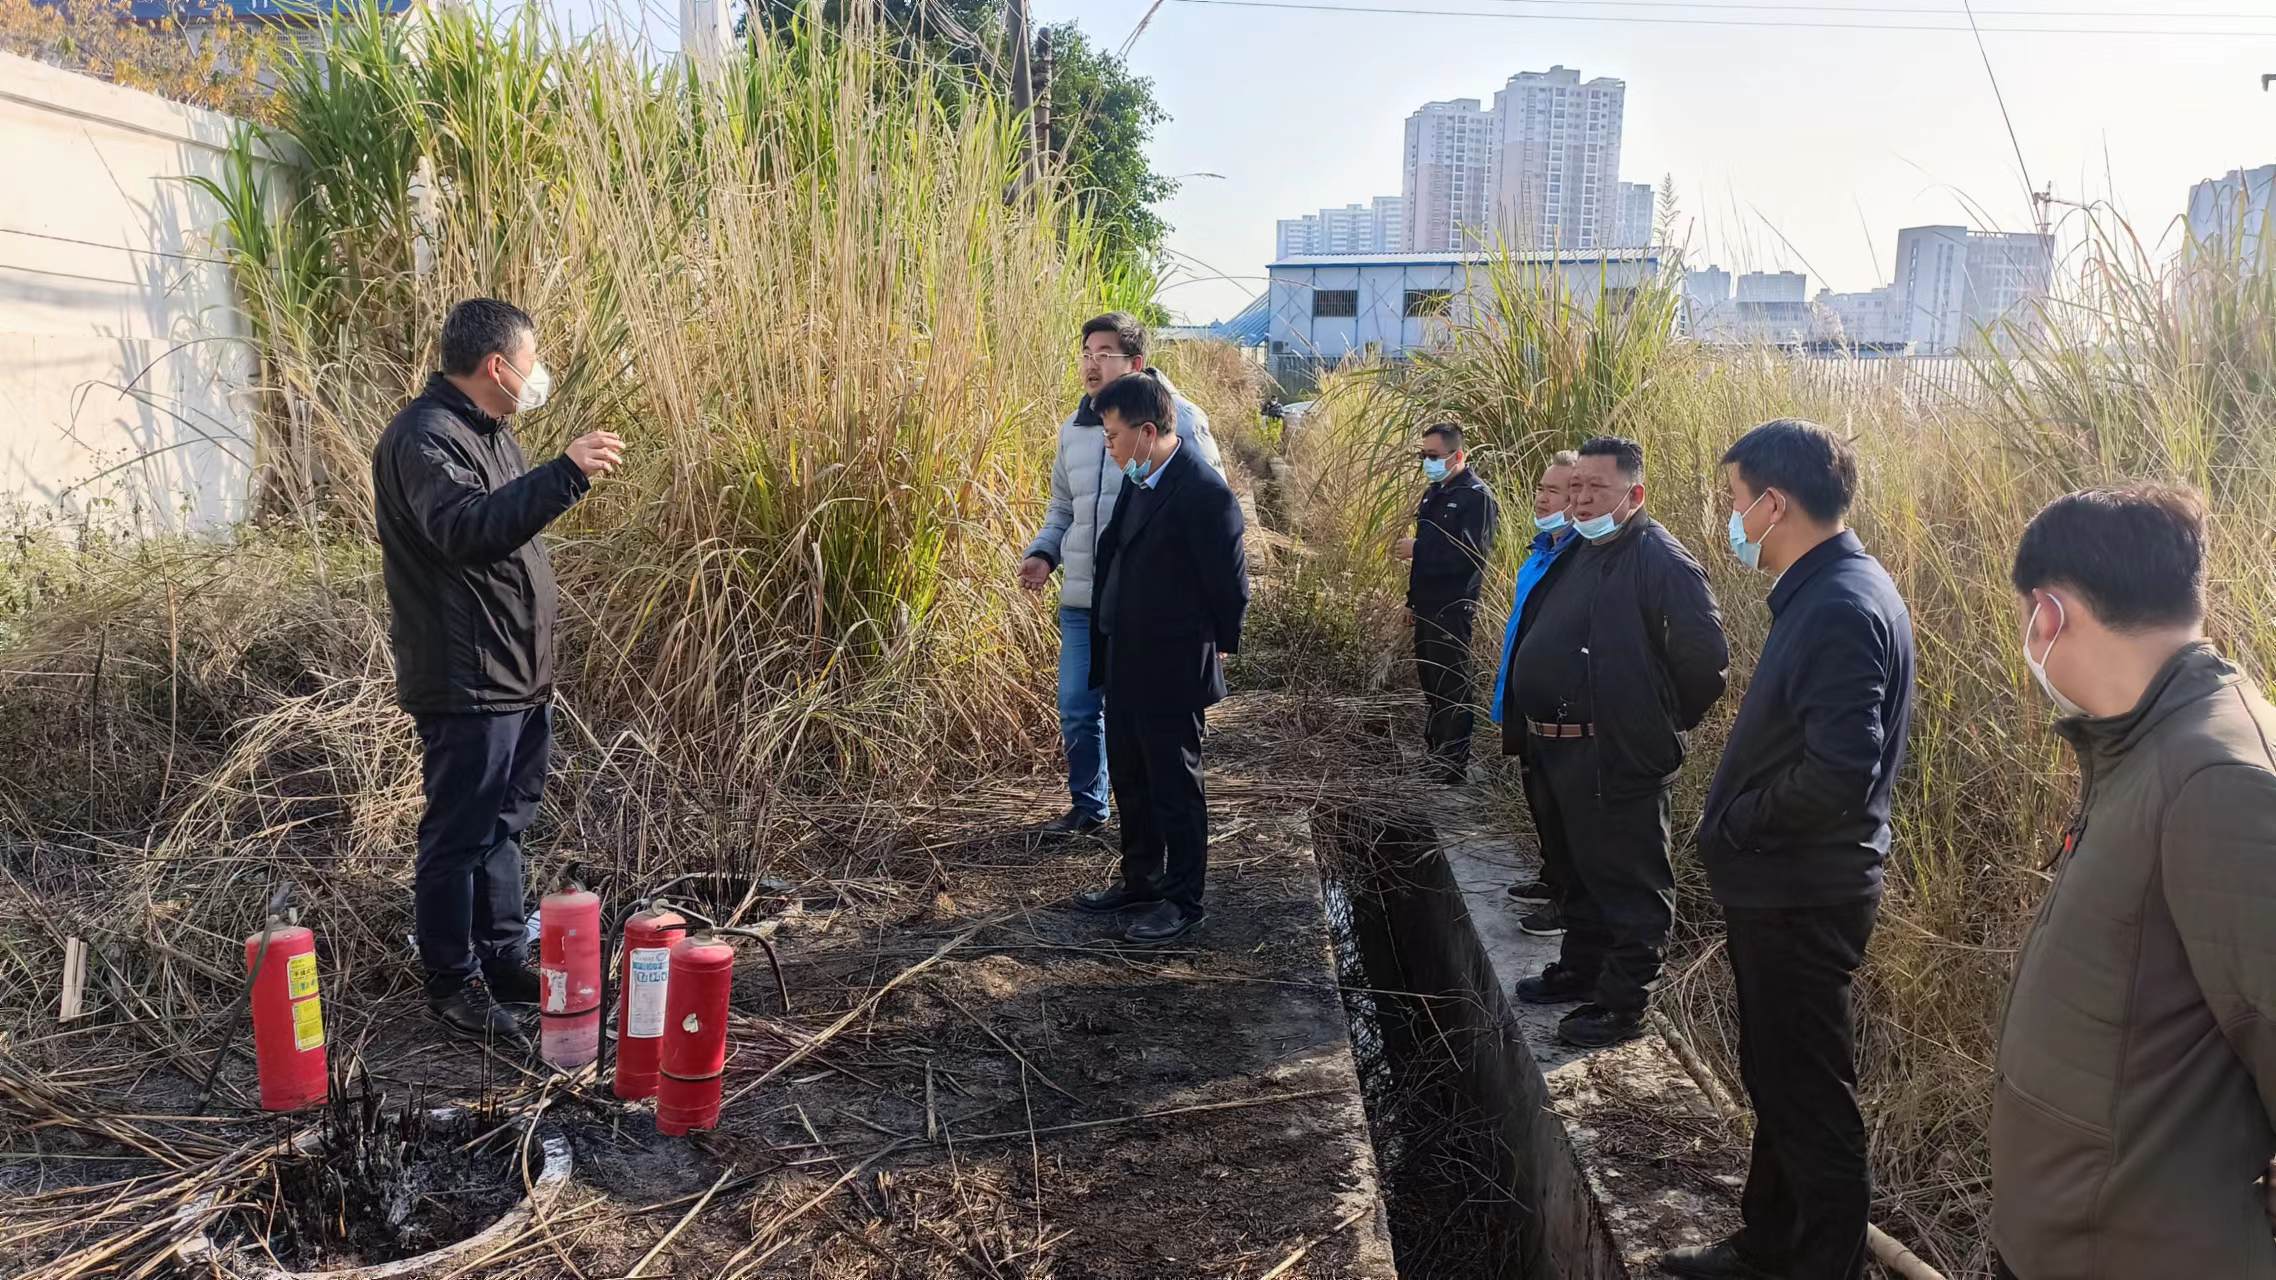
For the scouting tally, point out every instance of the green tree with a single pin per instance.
(1102, 116)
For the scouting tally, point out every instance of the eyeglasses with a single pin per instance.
(1425, 455)
(1101, 357)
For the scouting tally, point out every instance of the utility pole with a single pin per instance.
(1043, 67)
(1023, 82)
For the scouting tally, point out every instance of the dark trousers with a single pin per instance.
(1620, 896)
(1809, 1188)
(1548, 828)
(1442, 668)
(1154, 761)
(484, 775)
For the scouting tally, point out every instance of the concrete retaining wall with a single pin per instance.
(123, 361)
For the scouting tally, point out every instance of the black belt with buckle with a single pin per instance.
(1540, 730)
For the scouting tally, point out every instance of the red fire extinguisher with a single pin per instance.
(642, 981)
(695, 1035)
(288, 1016)
(569, 977)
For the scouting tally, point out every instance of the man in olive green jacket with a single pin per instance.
(2137, 1060)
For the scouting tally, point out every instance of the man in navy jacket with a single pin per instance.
(1794, 833)
(1172, 590)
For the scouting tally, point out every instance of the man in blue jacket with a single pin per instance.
(1794, 832)
(1552, 537)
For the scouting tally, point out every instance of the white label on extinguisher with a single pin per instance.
(556, 984)
(644, 1014)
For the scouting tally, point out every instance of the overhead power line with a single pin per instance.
(1293, 5)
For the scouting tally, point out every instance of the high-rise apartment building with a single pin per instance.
(2231, 214)
(1447, 174)
(1639, 215)
(1557, 163)
(1378, 227)
(1955, 285)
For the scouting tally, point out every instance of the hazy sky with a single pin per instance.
(1792, 148)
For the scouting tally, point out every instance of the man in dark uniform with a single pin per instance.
(1625, 654)
(1454, 532)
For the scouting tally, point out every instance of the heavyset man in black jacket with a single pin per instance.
(1172, 590)
(1793, 836)
(1454, 532)
(1624, 655)
(472, 597)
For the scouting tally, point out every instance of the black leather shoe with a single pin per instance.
(1113, 898)
(1533, 891)
(511, 982)
(1719, 1261)
(1162, 922)
(1592, 1026)
(1556, 985)
(1071, 823)
(471, 1012)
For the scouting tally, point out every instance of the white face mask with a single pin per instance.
(2038, 665)
(537, 387)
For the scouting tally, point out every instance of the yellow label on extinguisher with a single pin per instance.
(307, 1025)
(300, 973)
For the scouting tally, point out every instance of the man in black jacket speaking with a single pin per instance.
(1624, 656)
(1793, 836)
(472, 597)
(1172, 590)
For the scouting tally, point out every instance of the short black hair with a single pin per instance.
(1802, 460)
(1137, 398)
(1447, 432)
(2134, 553)
(1123, 326)
(1626, 454)
(479, 328)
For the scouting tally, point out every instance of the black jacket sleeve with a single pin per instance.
(1215, 536)
(1454, 550)
(1689, 627)
(1837, 697)
(467, 524)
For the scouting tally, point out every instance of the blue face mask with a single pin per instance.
(1136, 469)
(1435, 468)
(1550, 523)
(1748, 552)
(1597, 528)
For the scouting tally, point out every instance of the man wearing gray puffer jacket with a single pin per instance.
(1084, 485)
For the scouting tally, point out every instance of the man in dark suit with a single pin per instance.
(1173, 587)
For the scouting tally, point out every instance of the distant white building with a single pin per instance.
(1773, 286)
(1379, 227)
(1956, 285)
(1872, 319)
(1557, 164)
(1446, 174)
(1324, 308)
(1639, 215)
(2232, 212)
